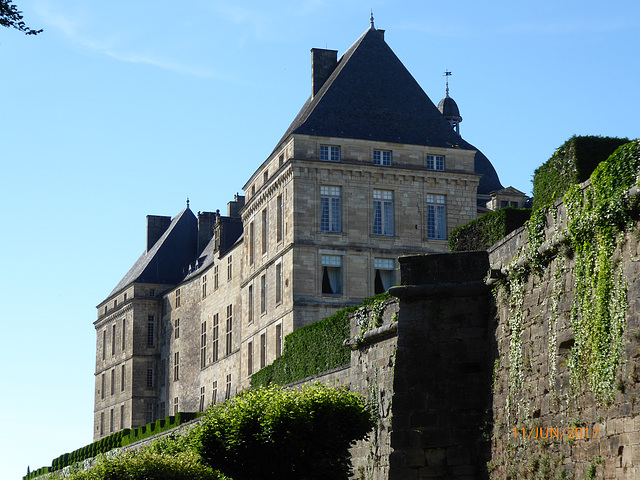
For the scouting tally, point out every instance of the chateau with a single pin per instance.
(369, 170)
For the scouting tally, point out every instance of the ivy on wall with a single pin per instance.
(598, 216)
(317, 347)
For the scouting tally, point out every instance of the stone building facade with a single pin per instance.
(368, 171)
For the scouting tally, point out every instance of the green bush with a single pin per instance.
(285, 434)
(572, 163)
(481, 233)
(147, 465)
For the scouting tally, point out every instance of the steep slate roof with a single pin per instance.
(166, 261)
(372, 96)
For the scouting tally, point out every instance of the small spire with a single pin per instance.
(371, 18)
(447, 74)
(187, 202)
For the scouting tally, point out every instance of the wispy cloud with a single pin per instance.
(80, 29)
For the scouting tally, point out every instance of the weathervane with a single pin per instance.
(447, 74)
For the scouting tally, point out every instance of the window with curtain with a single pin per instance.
(332, 274)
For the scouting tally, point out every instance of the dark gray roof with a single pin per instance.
(449, 108)
(166, 262)
(372, 96)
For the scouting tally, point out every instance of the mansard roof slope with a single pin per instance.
(165, 262)
(372, 96)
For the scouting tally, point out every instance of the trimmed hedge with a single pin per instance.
(115, 440)
(572, 163)
(481, 233)
(312, 349)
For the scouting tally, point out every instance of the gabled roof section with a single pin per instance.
(166, 261)
(372, 96)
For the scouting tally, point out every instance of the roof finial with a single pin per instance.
(371, 19)
(447, 74)
(187, 202)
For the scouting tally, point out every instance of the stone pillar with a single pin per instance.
(442, 382)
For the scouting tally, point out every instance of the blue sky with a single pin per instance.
(123, 109)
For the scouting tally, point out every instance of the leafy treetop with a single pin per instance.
(10, 16)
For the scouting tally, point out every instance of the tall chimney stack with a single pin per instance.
(323, 63)
(156, 226)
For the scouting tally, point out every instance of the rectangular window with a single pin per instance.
(227, 393)
(113, 381)
(102, 392)
(124, 336)
(101, 423)
(122, 417)
(251, 243)
(332, 274)
(229, 329)
(122, 378)
(278, 340)
(265, 232)
(278, 282)
(113, 339)
(279, 218)
(383, 212)
(215, 277)
(177, 297)
(149, 412)
(176, 366)
(435, 162)
(382, 157)
(250, 358)
(201, 399)
(111, 420)
(250, 304)
(204, 286)
(150, 375)
(175, 405)
(214, 392)
(385, 274)
(263, 350)
(436, 217)
(104, 344)
(329, 153)
(263, 294)
(331, 209)
(151, 324)
(229, 267)
(203, 345)
(214, 339)
(176, 328)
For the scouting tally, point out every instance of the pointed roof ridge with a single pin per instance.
(146, 268)
(371, 95)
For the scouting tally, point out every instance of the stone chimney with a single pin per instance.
(234, 207)
(381, 32)
(206, 221)
(156, 226)
(323, 63)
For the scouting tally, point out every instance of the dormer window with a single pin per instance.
(329, 153)
(382, 157)
(435, 162)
